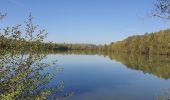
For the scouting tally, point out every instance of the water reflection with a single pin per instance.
(157, 65)
(153, 64)
(96, 77)
(22, 75)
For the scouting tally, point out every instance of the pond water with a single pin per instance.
(112, 77)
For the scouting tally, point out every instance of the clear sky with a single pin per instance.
(85, 21)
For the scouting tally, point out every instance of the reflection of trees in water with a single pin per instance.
(153, 64)
(157, 65)
(165, 95)
(28, 78)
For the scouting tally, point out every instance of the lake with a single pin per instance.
(93, 76)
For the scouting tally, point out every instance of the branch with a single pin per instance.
(2, 15)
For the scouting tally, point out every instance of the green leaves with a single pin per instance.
(21, 63)
(153, 43)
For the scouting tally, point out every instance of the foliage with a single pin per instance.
(21, 63)
(153, 43)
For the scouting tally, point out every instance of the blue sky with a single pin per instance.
(85, 21)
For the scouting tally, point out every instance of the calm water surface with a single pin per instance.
(93, 77)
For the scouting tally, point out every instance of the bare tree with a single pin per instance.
(162, 9)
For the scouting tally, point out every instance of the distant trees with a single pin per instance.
(153, 43)
(162, 9)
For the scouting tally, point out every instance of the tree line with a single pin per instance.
(153, 43)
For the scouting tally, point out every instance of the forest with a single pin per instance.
(152, 43)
